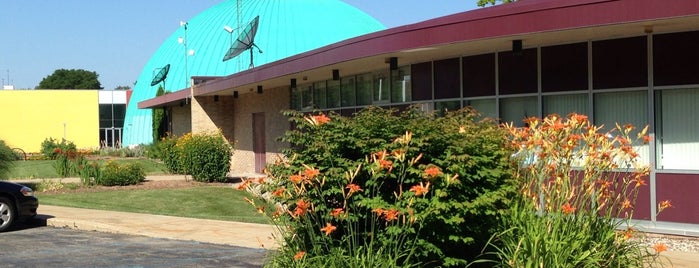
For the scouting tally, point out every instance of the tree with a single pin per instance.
(482, 3)
(71, 79)
(159, 119)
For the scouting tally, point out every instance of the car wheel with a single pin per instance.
(7, 213)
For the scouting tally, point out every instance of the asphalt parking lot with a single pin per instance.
(36, 245)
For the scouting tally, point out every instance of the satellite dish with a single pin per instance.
(161, 75)
(245, 41)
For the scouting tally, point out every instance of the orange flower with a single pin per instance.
(243, 185)
(337, 212)
(381, 155)
(663, 205)
(328, 229)
(311, 173)
(378, 211)
(646, 139)
(279, 192)
(296, 179)
(420, 189)
(660, 247)
(432, 172)
(301, 207)
(353, 188)
(567, 209)
(391, 214)
(261, 209)
(626, 204)
(385, 164)
(628, 233)
(640, 181)
(299, 255)
(321, 119)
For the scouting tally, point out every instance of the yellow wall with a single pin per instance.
(28, 117)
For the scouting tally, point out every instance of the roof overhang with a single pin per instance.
(485, 30)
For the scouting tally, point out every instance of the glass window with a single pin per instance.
(349, 98)
(400, 90)
(486, 107)
(629, 107)
(620, 63)
(320, 96)
(296, 99)
(517, 72)
(678, 129)
(515, 110)
(364, 89)
(422, 81)
(333, 93)
(675, 58)
(564, 67)
(563, 105)
(307, 96)
(381, 87)
(479, 75)
(445, 106)
(447, 79)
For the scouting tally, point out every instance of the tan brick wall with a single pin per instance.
(210, 115)
(271, 102)
(180, 120)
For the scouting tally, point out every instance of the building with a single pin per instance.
(625, 61)
(88, 118)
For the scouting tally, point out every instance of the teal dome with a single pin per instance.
(285, 28)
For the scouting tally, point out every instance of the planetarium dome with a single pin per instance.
(285, 28)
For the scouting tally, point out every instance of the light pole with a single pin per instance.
(190, 52)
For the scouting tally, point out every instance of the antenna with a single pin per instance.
(245, 41)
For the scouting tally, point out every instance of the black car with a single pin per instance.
(17, 202)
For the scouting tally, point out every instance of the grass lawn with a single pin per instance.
(204, 202)
(42, 169)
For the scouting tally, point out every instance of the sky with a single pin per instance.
(116, 39)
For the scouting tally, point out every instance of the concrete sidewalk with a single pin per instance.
(210, 231)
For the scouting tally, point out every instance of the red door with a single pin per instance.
(258, 141)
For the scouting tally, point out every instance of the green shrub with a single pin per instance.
(115, 174)
(205, 156)
(67, 162)
(166, 150)
(6, 158)
(89, 172)
(426, 190)
(50, 147)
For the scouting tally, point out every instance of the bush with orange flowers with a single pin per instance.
(577, 187)
(386, 189)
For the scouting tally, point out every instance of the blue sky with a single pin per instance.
(116, 38)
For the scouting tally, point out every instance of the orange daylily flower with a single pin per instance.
(567, 209)
(391, 214)
(385, 164)
(353, 188)
(337, 212)
(328, 229)
(640, 182)
(299, 255)
(321, 119)
(432, 172)
(646, 139)
(628, 233)
(420, 189)
(279, 192)
(311, 173)
(296, 179)
(626, 204)
(378, 211)
(301, 207)
(660, 247)
(663, 205)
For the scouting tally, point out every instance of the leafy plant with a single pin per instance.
(50, 147)
(205, 156)
(6, 158)
(117, 174)
(576, 187)
(386, 189)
